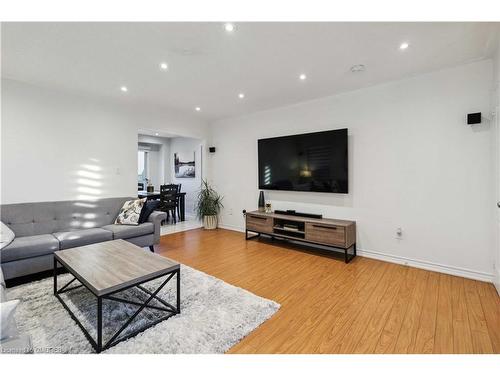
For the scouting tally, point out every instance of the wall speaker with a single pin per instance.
(211, 150)
(474, 118)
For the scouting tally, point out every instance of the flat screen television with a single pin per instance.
(305, 162)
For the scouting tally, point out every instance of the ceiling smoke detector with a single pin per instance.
(358, 68)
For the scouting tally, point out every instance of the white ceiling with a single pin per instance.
(208, 67)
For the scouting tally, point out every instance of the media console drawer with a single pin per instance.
(323, 233)
(259, 223)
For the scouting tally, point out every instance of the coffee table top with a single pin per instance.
(110, 266)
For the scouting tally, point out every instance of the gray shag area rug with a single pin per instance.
(214, 316)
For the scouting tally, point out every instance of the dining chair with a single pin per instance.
(179, 201)
(140, 186)
(168, 202)
(172, 189)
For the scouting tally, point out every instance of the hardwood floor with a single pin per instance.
(366, 306)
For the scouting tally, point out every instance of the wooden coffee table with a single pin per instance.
(110, 267)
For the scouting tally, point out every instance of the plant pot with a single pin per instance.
(210, 222)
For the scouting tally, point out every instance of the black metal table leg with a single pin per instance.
(178, 291)
(55, 276)
(99, 324)
(348, 257)
(249, 238)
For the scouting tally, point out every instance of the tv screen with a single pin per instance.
(305, 162)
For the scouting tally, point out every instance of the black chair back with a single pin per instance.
(140, 186)
(179, 188)
(168, 200)
(172, 188)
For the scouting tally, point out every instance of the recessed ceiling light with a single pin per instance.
(229, 27)
(241, 95)
(124, 88)
(358, 68)
(157, 133)
(404, 45)
(164, 66)
(302, 77)
(197, 109)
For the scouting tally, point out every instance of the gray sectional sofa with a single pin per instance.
(44, 227)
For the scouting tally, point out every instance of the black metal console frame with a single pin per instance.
(98, 345)
(347, 257)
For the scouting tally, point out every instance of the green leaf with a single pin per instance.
(208, 202)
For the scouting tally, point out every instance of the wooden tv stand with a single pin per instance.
(339, 234)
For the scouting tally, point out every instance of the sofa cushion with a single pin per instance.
(6, 235)
(8, 327)
(129, 231)
(30, 246)
(82, 237)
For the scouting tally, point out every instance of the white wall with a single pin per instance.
(191, 186)
(58, 145)
(496, 164)
(413, 163)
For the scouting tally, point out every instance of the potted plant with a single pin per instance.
(208, 205)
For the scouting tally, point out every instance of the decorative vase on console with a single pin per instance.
(262, 202)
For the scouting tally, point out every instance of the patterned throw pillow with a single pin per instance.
(130, 212)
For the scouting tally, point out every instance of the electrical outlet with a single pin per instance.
(230, 212)
(399, 233)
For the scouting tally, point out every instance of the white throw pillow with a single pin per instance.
(130, 212)
(7, 323)
(6, 235)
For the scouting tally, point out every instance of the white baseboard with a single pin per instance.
(429, 266)
(232, 227)
(496, 280)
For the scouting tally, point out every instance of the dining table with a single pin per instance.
(149, 195)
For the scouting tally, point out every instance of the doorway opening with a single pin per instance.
(167, 162)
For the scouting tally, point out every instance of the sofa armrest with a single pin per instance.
(156, 218)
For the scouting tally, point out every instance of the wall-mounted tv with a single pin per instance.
(305, 162)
